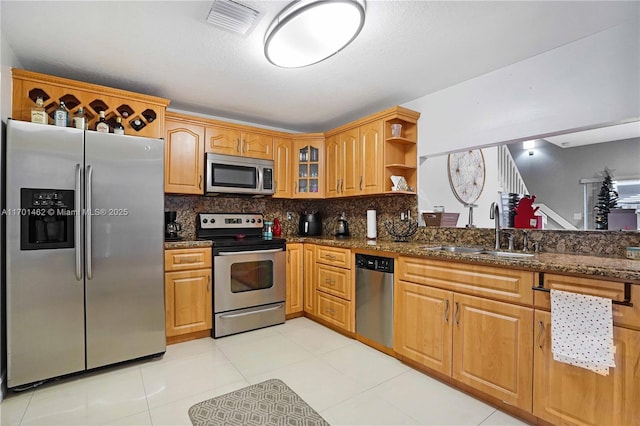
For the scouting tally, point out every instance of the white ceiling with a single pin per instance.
(603, 134)
(407, 49)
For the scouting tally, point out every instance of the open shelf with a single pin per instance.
(400, 140)
(400, 166)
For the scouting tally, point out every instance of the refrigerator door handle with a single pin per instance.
(87, 232)
(77, 222)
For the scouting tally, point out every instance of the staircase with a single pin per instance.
(510, 181)
(509, 177)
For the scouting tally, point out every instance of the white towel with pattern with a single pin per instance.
(582, 331)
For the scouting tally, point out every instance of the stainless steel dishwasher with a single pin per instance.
(374, 298)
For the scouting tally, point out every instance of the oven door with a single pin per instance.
(245, 279)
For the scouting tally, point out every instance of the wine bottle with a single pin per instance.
(137, 124)
(118, 128)
(38, 113)
(79, 120)
(101, 125)
(61, 116)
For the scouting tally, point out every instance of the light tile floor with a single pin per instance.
(347, 382)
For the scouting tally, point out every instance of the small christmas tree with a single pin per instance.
(607, 200)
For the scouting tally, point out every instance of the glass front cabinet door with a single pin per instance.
(308, 158)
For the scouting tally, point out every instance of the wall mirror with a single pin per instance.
(565, 172)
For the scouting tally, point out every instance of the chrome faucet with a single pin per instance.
(494, 214)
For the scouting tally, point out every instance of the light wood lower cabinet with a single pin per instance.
(295, 277)
(569, 395)
(492, 346)
(335, 292)
(309, 278)
(423, 325)
(483, 343)
(188, 290)
(335, 310)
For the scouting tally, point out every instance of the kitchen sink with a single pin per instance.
(505, 253)
(475, 250)
(454, 249)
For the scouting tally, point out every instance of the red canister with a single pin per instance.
(277, 227)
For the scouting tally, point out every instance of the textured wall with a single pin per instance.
(601, 243)
(355, 210)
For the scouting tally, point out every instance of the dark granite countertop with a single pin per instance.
(604, 267)
(187, 244)
(597, 266)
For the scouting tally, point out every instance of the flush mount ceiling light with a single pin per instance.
(310, 31)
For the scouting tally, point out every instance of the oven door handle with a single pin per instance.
(234, 253)
(275, 308)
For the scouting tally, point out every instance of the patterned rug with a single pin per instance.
(268, 403)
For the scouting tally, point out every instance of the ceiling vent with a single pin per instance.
(232, 16)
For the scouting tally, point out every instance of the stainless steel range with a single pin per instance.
(248, 271)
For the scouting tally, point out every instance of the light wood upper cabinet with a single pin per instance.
(569, 395)
(295, 277)
(141, 115)
(349, 141)
(184, 157)
(256, 145)
(363, 155)
(334, 167)
(308, 166)
(231, 141)
(370, 153)
(221, 140)
(493, 344)
(283, 170)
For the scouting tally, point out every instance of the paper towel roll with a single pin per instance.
(372, 228)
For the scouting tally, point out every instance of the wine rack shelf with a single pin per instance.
(142, 115)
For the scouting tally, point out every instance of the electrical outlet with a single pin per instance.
(577, 216)
(289, 215)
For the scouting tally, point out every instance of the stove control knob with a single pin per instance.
(253, 221)
(259, 220)
(204, 221)
(247, 220)
(213, 221)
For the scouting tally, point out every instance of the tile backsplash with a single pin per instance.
(390, 208)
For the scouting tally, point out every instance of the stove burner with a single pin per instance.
(235, 231)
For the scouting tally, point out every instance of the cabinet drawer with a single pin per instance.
(186, 259)
(628, 316)
(509, 285)
(335, 311)
(334, 256)
(335, 281)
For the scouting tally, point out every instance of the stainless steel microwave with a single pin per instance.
(238, 175)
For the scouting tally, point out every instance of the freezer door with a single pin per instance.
(124, 255)
(45, 294)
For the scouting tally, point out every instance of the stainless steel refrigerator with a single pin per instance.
(84, 250)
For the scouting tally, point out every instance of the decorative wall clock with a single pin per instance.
(466, 175)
